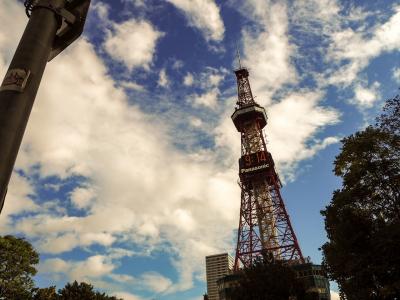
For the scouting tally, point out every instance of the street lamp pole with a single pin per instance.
(52, 26)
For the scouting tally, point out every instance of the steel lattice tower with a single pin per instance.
(264, 225)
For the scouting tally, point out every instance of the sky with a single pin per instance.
(127, 174)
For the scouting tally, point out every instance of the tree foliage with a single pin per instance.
(81, 291)
(71, 291)
(268, 280)
(17, 261)
(363, 219)
(45, 294)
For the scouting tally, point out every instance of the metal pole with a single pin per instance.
(19, 88)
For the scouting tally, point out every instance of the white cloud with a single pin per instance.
(122, 278)
(349, 42)
(178, 64)
(133, 43)
(188, 79)
(130, 85)
(102, 11)
(365, 97)
(155, 282)
(127, 296)
(55, 265)
(137, 3)
(359, 47)
(195, 122)
(18, 196)
(208, 99)
(203, 15)
(101, 238)
(115, 253)
(293, 122)
(318, 15)
(215, 79)
(267, 51)
(17, 200)
(206, 80)
(96, 134)
(99, 266)
(10, 13)
(396, 74)
(63, 242)
(56, 244)
(163, 79)
(82, 197)
(92, 267)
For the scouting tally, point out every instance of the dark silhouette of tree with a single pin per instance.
(389, 120)
(71, 291)
(363, 219)
(268, 280)
(82, 291)
(17, 261)
(45, 294)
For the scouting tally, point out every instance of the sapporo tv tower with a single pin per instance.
(264, 225)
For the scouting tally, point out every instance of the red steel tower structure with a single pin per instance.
(264, 225)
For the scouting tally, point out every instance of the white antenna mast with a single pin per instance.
(238, 56)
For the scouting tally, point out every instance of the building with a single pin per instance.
(315, 281)
(313, 277)
(226, 285)
(217, 266)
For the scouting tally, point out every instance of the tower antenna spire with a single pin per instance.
(238, 56)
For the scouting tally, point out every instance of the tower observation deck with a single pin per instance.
(264, 225)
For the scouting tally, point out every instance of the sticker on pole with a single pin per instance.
(15, 80)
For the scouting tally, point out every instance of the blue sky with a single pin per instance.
(127, 175)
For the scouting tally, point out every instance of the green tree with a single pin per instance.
(82, 291)
(268, 280)
(363, 219)
(17, 261)
(45, 294)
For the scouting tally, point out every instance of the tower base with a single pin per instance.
(313, 277)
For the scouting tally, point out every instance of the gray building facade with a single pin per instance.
(217, 266)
